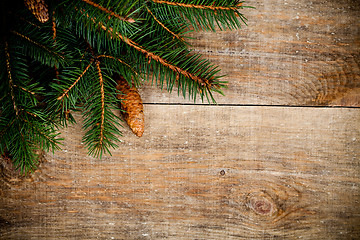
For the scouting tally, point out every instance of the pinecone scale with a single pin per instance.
(39, 9)
(131, 105)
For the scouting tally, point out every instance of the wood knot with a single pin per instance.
(261, 203)
(222, 172)
(261, 206)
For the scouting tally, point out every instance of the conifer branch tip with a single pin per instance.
(211, 7)
(101, 81)
(76, 81)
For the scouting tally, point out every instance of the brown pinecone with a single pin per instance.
(39, 9)
(131, 105)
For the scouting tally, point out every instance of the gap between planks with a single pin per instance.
(245, 105)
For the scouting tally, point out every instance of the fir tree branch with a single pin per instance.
(46, 136)
(11, 84)
(162, 25)
(29, 162)
(37, 44)
(100, 122)
(201, 81)
(107, 56)
(24, 89)
(102, 104)
(205, 14)
(7, 127)
(27, 21)
(130, 20)
(138, 39)
(76, 81)
(31, 114)
(117, 59)
(211, 7)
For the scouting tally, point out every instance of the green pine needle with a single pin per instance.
(49, 70)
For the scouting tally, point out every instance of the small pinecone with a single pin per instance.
(131, 105)
(39, 9)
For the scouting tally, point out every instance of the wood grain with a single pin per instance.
(227, 171)
(199, 172)
(293, 52)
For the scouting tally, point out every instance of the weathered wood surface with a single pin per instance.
(219, 173)
(293, 52)
(226, 171)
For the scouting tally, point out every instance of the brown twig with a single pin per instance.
(102, 102)
(161, 24)
(76, 81)
(197, 6)
(121, 61)
(130, 20)
(24, 89)
(54, 38)
(36, 43)
(11, 83)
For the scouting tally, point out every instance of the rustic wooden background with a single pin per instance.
(277, 158)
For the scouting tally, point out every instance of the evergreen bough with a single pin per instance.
(61, 56)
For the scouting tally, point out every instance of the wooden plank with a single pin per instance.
(199, 172)
(293, 52)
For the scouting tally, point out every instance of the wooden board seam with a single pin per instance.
(247, 105)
